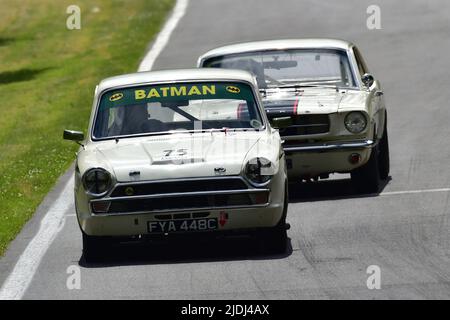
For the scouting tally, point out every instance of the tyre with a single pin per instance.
(94, 248)
(367, 178)
(383, 160)
(274, 240)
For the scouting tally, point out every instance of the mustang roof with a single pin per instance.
(178, 75)
(278, 44)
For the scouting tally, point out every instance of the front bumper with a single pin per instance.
(331, 146)
(312, 160)
(130, 223)
(137, 224)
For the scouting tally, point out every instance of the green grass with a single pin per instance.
(47, 80)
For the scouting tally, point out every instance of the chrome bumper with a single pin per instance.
(172, 202)
(332, 146)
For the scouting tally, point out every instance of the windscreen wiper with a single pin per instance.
(299, 86)
(224, 129)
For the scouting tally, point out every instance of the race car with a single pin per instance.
(167, 154)
(330, 110)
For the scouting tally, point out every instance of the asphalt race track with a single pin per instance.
(336, 234)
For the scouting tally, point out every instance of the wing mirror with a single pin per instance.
(368, 80)
(282, 122)
(76, 136)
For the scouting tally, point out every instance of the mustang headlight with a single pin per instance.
(355, 122)
(259, 171)
(97, 181)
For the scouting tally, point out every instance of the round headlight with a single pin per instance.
(97, 181)
(355, 122)
(258, 170)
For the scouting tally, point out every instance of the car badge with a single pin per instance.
(220, 171)
(135, 175)
(129, 191)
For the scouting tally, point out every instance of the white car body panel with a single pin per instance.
(320, 154)
(203, 153)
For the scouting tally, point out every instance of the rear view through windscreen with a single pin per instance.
(278, 68)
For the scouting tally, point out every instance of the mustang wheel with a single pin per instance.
(384, 154)
(367, 177)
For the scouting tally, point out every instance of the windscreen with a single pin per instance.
(277, 68)
(164, 108)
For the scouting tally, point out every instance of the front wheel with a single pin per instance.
(275, 239)
(384, 155)
(94, 248)
(367, 177)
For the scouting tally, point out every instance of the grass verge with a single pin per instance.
(47, 78)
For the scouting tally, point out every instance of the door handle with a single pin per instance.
(378, 93)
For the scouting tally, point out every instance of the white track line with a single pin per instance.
(20, 278)
(392, 193)
(164, 36)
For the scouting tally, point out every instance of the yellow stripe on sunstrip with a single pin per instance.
(175, 91)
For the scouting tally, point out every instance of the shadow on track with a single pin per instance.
(229, 249)
(192, 251)
(329, 190)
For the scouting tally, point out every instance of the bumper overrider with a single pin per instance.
(135, 208)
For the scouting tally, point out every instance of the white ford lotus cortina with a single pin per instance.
(182, 151)
(330, 110)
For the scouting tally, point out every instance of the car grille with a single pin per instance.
(180, 195)
(307, 125)
(201, 185)
(186, 202)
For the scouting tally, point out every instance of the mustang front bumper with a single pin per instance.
(331, 146)
(311, 160)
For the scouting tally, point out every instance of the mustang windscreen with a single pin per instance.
(291, 67)
(157, 109)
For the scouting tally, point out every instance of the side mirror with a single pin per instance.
(282, 122)
(76, 136)
(368, 80)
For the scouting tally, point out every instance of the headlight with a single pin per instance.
(259, 170)
(97, 181)
(355, 122)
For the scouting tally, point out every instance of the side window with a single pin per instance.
(360, 62)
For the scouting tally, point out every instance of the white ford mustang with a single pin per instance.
(333, 110)
(179, 152)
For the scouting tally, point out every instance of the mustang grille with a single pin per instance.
(307, 124)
